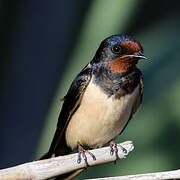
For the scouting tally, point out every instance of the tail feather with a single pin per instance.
(59, 148)
(46, 156)
(67, 176)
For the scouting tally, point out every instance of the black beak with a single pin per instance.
(139, 55)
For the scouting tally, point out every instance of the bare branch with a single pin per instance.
(44, 169)
(150, 176)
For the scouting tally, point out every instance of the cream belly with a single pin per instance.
(99, 119)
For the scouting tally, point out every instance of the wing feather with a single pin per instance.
(72, 101)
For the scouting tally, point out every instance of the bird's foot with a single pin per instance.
(114, 149)
(82, 151)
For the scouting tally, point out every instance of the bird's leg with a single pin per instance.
(114, 149)
(82, 151)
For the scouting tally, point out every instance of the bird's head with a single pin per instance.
(120, 52)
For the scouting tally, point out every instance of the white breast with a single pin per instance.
(99, 119)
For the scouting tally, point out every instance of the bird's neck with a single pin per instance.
(110, 82)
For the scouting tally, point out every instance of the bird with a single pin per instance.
(101, 100)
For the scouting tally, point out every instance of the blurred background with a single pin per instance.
(44, 44)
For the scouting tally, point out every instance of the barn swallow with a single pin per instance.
(102, 98)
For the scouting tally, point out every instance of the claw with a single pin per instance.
(79, 158)
(82, 151)
(114, 149)
(123, 149)
(92, 155)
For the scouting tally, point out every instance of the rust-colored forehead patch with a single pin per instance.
(132, 46)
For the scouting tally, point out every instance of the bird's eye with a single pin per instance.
(116, 49)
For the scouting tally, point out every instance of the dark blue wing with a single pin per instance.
(71, 103)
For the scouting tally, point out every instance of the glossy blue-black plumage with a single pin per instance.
(104, 52)
(111, 83)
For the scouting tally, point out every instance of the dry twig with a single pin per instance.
(48, 168)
